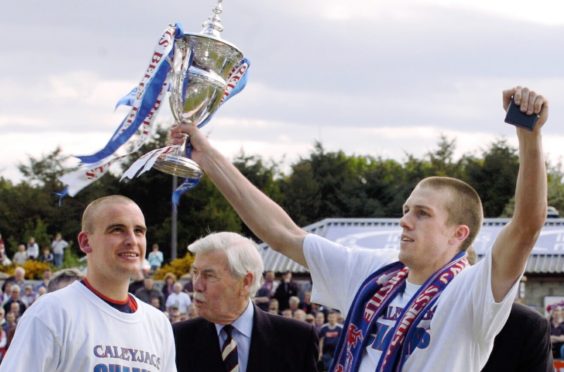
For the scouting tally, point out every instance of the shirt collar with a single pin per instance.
(243, 324)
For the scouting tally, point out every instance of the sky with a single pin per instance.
(383, 78)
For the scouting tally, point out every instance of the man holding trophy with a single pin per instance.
(423, 310)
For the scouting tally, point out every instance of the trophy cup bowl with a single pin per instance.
(195, 98)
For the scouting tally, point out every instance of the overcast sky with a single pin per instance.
(382, 78)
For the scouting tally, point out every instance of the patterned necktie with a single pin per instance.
(229, 351)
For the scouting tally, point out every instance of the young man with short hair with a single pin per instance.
(426, 312)
(94, 324)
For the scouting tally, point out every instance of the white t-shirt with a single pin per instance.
(460, 332)
(72, 329)
(181, 300)
(33, 250)
(58, 246)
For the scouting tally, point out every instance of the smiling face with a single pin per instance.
(219, 296)
(114, 240)
(428, 241)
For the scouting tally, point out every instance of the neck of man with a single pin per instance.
(236, 314)
(418, 274)
(110, 287)
(419, 277)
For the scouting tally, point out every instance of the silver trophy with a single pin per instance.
(202, 66)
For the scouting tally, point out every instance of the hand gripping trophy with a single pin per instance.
(201, 72)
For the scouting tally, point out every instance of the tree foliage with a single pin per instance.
(321, 185)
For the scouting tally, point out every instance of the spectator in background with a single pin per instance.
(178, 299)
(18, 278)
(6, 291)
(268, 283)
(148, 292)
(58, 245)
(155, 258)
(306, 305)
(28, 296)
(300, 315)
(287, 313)
(4, 260)
(188, 286)
(174, 314)
(11, 323)
(138, 279)
(3, 322)
(63, 278)
(286, 289)
(15, 297)
(557, 330)
(319, 321)
(156, 302)
(32, 249)
(16, 309)
(169, 280)
(328, 338)
(3, 343)
(47, 274)
(273, 307)
(46, 256)
(20, 257)
(294, 304)
(310, 318)
(265, 292)
(41, 291)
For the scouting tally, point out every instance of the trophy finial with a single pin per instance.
(213, 26)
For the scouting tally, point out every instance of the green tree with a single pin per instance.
(494, 176)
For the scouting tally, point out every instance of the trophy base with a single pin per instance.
(178, 166)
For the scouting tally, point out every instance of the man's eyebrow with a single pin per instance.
(418, 206)
(204, 271)
(113, 226)
(121, 225)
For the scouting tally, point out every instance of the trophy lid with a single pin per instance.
(213, 26)
(212, 29)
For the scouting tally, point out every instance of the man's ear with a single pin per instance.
(84, 243)
(460, 234)
(248, 281)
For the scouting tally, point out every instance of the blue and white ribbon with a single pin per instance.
(145, 101)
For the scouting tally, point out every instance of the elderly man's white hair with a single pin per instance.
(242, 254)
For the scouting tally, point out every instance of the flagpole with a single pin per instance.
(173, 227)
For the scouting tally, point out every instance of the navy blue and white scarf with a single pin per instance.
(370, 302)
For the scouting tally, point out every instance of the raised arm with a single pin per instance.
(515, 242)
(262, 215)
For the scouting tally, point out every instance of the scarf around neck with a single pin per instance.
(370, 302)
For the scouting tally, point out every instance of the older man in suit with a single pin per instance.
(231, 333)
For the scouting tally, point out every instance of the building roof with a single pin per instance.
(374, 233)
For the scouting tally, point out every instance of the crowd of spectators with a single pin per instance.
(173, 296)
(285, 298)
(52, 254)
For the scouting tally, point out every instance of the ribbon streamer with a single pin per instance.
(145, 101)
(135, 129)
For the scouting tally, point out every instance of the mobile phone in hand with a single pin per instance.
(518, 118)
